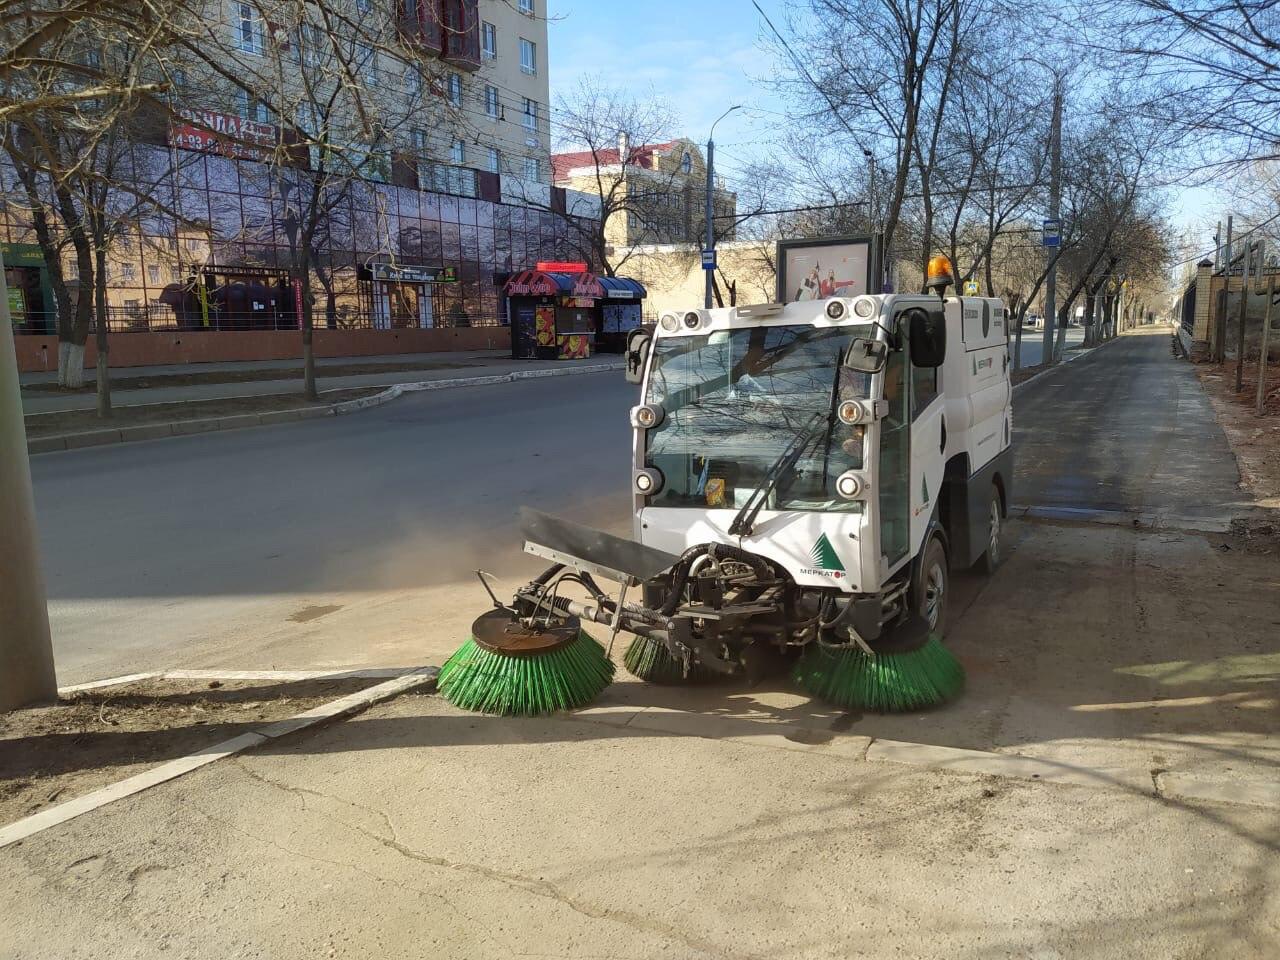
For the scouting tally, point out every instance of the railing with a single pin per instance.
(163, 319)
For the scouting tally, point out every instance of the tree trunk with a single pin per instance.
(1091, 332)
(100, 334)
(73, 330)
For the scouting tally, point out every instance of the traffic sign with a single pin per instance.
(1051, 233)
(971, 288)
(708, 259)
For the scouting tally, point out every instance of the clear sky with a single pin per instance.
(703, 56)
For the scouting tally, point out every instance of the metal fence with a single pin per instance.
(163, 319)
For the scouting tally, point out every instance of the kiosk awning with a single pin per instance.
(622, 288)
(540, 283)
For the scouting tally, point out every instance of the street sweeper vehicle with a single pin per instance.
(805, 477)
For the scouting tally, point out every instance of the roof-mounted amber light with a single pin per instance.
(940, 274)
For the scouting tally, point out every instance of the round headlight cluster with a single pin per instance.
(864, 307)
(835, 309)
(648, 481)
(850, 485)
(646, 416)
(692, 319)
(853, 411)
(669, 322)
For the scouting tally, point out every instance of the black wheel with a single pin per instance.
(933, 585)
(993, 556)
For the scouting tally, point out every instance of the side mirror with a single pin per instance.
(867, 356)
(637, 354)
(927, 332)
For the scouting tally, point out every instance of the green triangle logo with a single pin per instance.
(824, 556)
(924, 490)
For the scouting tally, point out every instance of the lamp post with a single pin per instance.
(708, 254)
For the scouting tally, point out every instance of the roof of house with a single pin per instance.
(641, 156)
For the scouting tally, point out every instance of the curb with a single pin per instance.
(186, 428)
(172, 769)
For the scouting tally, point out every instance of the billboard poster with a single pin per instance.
(815, 269)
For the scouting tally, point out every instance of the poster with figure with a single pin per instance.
(820, 269)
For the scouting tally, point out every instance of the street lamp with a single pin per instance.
(708, 254)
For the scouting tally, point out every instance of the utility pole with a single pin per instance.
(709, 268)
(1055, 213)
(26, 652)
(871, 190)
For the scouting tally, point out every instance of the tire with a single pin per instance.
(932, 588)
(994, 555)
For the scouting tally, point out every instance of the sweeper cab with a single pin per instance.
(805, 476)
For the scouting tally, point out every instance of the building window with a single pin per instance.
(458, 152)
(526, 6)
(178, 79)
(532, 168)
(153, 274)
(364, 6)
(312, 42)
(175, 275)
(494, 159)
(127, 271)
(491, 102)
(248, 28)
(366, 63)
(193, 243)
(530, 114)
(528, 56)
(455, 89)
(251, 108)
(420, 142)
(488, 40)
(686, 163)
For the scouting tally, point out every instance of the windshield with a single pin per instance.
(734, 400)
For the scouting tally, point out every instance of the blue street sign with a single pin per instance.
(708, 259)
(1051, 233)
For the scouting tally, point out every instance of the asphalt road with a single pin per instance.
(1033, 344)
(183, 551)
(714, 821)
(1125, 428)
(327, 543)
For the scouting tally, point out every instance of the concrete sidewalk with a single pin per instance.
(461, 366)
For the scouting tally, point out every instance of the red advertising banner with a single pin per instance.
(223, 133)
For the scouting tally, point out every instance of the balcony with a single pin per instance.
(460, 29)
(419, 24)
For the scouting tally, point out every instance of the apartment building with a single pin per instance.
(660, 190)
(430, 162)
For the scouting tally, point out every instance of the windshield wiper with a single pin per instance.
(744, 521)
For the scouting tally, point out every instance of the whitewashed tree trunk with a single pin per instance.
(71, 365)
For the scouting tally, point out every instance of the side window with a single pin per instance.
(924, 388)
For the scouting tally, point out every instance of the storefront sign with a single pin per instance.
(408, 273)
(530, 284)
(22, 254)
(561, 266)
(223, 133)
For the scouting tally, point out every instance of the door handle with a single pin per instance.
(942, 447)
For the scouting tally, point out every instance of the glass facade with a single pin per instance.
(234, 218)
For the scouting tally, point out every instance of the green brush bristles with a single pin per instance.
(649, 660)
(887, 682)
(571, 676)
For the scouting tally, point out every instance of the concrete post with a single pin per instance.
(26, 652)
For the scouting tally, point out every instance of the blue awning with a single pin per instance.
(622, 288)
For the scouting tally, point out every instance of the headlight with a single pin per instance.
(853, 411)
(835, 309)
(864, 307)
(646, 416)
(692, 319)
(670, 322)
(648, 481)
(850, 485)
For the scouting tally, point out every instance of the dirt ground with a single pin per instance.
(76, 421)
(1255, 440)
(254, 376)
(88, 740)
